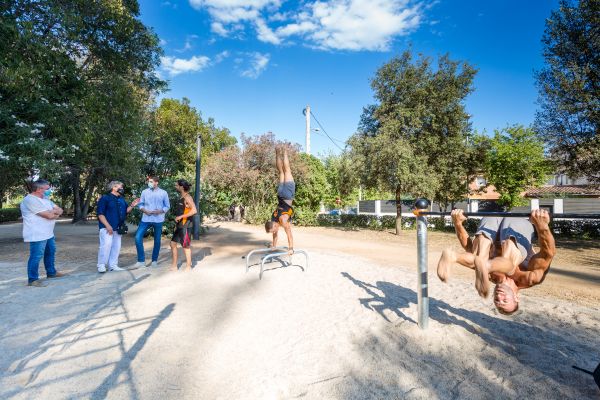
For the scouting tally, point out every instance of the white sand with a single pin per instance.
(343, 329)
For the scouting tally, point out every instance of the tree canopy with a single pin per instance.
(569, 86)
(413, 141)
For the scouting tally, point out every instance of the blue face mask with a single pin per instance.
(151, 185)
(48, 193)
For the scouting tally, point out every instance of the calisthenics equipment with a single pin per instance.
(421, 205)
(270, 254)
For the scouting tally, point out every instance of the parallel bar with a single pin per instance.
(257, 251)
(422, 293)
(269, 256)
(508, 214)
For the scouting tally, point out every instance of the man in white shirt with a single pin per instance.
(39, 216)
(154, 205)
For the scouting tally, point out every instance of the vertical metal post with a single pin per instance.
(422, 294)
(307, 114)
(197, 216)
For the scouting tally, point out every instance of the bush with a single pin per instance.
(9, 214)
(584, 229)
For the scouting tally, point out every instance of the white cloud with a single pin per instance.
(188, 43)
(265, 34)
(175, 66)
(325, 24)
(258, 64)
(221, 56)
(219, 29)
(357, 24)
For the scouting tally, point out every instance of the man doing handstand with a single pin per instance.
(282, 216)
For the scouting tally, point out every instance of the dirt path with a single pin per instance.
(343, 328)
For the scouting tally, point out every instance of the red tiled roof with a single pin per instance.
(580, 190)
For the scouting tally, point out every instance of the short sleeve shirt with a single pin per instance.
(114, 209)
(35, 227)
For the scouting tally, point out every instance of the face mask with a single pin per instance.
(48, 192)
(151, 185)
(121, 191)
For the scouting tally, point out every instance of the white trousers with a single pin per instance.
(110, 247)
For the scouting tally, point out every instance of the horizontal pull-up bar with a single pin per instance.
(421, 205)
(505, 214)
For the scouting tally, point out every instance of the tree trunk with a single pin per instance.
(76, 196)
(398, 210)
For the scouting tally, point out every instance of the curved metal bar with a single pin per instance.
(269, 256)
(257, 251)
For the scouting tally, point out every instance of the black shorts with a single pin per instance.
(182, 236)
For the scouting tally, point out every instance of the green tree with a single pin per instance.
(412, 141)
(175, 127)
(515, 162)
(76, 80)
(569, 86)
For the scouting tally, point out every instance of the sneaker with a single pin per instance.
(138, 265)
(115, 268)
(38, 283)
(154, 264)
(57, 275)
(101, 269)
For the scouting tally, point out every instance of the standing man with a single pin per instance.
(112, 212)
(39, 216)
(282, 216)
(154, 205)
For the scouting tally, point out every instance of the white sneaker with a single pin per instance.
(101, 269)
(115, 268)
(154, 264)
(138, 265)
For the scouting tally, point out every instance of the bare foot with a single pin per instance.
(173, 267)
(188, 267)
(482, 280)
(446, 260)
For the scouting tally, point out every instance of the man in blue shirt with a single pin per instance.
(112, 210)
(154, 205)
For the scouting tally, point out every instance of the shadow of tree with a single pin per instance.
(524, 350)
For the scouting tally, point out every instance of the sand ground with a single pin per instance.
(342, 327)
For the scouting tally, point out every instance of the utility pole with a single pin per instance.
(197, 216)
(307, 114)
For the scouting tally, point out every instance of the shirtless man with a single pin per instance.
(511, 263)
(282, 216)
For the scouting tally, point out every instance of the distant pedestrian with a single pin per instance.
(112, 211)
(232, 212)
(154, 205)
(39, 217)
(242, 212)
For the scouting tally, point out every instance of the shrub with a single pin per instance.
(9, 214)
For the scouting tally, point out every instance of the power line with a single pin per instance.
(325, 132)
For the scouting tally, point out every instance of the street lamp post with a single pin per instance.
(197, 216)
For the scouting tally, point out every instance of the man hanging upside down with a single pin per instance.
(282, 216)
(501, 251)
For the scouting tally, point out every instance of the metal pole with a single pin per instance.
(422, 295)
(197, 216)
(307, 130)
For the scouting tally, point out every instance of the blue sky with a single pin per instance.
(253, 65)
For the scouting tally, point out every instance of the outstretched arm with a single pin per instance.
(540, 262)
(458, 218)
(287, 227)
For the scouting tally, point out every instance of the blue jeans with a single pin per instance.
(45, 249)
(139, 239)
